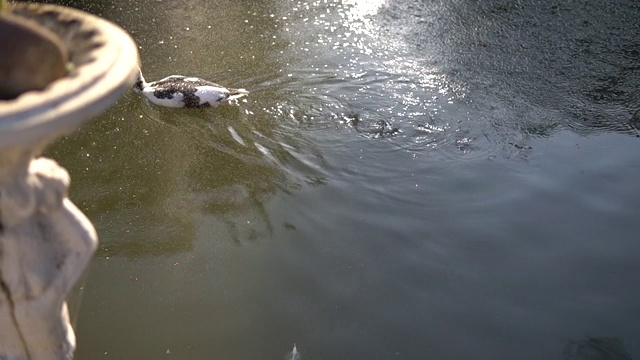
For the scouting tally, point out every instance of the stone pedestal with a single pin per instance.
(45, 241)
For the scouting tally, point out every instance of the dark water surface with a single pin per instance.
(407, 180)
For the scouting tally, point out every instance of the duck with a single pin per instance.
(179, 91)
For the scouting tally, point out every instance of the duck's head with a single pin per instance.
(140, 83)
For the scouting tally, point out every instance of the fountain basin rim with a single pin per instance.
(108, 69)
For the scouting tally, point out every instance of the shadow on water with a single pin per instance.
(146, 174)
(593, 348)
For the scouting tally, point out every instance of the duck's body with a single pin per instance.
(186, 92)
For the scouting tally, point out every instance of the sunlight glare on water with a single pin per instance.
(358, 16)
(379, 86)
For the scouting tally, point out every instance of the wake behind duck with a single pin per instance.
(186, 92)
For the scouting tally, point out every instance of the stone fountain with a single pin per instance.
(59, 67)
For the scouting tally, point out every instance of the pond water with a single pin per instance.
(408, 179)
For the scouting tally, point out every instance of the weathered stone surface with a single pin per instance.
(46, 243)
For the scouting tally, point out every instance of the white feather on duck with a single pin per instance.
(186, 92)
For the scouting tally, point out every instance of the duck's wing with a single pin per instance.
(201, 82)
(181, 84)
(190, 80)
(176, 80)
(168, 81)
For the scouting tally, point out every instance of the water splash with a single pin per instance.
(293, 355)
